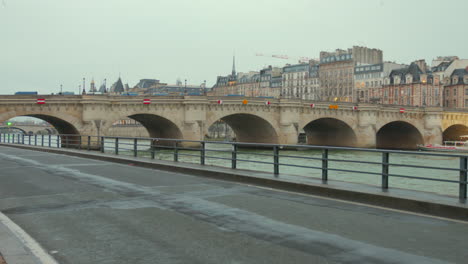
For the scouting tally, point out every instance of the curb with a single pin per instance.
(30, 250)
(437, 205)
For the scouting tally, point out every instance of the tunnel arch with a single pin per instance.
(249, 128)
(330, 132)
(398, 135)
(454, 132)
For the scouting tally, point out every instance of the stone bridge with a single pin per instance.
(252, 119)
(28, 129)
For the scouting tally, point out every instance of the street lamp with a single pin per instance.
(185, 89)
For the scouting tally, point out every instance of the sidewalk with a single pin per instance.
(13, 250)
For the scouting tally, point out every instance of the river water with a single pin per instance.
(246, 157)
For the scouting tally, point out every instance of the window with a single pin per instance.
(455, 92)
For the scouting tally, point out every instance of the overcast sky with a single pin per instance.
(45, 43)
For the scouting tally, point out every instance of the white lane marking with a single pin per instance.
(361, 204)
(27, 241)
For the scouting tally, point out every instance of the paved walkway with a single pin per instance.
(90, 211)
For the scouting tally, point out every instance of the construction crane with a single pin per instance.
(284, 57)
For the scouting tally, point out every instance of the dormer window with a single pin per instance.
(396, 80)
(409, 78)
(447, 81)
(465, 79)
(455, 80)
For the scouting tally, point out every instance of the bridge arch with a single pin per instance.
(7, 128)
(62, 124)
(399, 135)
(156, 125)
(249, 128)
(328, 131)
(454, 132)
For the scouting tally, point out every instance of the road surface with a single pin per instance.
(87, 211)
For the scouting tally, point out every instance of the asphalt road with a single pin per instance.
(87, 211)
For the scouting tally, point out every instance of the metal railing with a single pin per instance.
(197, 150)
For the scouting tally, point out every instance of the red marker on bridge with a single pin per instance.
(312, 105)
(40, 101)
(146, 101)
(220, 101)
(267, 102)
(402, 110)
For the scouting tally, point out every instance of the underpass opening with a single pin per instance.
(12, 130)
(48, 125)
(455, 133)
(399, 135)
(245, 128)
(158, 127)
(330, 132)
(220, 130)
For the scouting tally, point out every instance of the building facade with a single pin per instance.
(337, 71)
(369, 79)
(412, 86)
(456, 89)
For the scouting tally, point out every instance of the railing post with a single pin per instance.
(29, 139)
(276, 160)
(58, 141)
(42, 140)
(135, 147)
(176, 152)
(13, 139)
(50, 139)
(89, 143)
(234, 156)
(324, 165)
(35, 139)
(22, 139)
(116, 148)
(385, 169)
(202, 154)
(80, 142)
(152, 149)
(66, 142)
(463, 178)
(102, 144)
